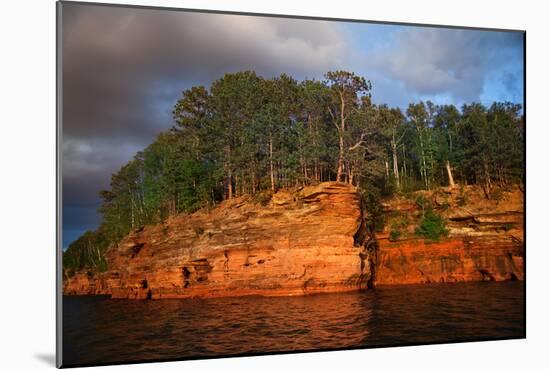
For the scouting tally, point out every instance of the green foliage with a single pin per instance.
(432, 226)
(422, 202)
(263, 197)
(102, 265)
(373, 209)
(394, 235)
(400, 222)
(462, 198)
(490, 143)
(398, 226)
(508, 226)
(88, 251)
(482, 145)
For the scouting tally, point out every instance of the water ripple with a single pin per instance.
(98, 329)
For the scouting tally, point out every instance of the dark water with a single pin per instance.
(100, 330)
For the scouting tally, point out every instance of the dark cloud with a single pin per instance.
(116, 59)
(88, 163)
(123, 69)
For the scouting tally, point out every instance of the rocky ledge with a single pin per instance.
(302, 242)
(312, 240)
(485, 240)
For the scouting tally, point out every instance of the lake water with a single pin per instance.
(101, 330)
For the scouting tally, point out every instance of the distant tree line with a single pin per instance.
(251, 135)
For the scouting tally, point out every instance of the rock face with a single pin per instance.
(456, 260)
(309, 241)
(303, 242)
(485, 241)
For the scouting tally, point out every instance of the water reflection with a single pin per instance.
(103, 330)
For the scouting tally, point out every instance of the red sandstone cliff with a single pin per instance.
(485, 241)
(300, 243)
(309, 241)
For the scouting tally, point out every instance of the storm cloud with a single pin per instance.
(119, 63)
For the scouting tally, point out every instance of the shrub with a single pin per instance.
(102, 265)
(432, 226)
(400, 222)
(371, 203)
(497, 194)
(423, 203)
(263, 198)
(394, 235)
(398, 225)
(508, 226)
(462, 198)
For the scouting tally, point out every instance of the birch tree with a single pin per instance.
(345, 89)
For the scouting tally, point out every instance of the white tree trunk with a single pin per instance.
(395, 166)
(271, 164)
(341, 133)
(450, 174)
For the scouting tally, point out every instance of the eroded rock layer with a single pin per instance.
(302, 242)
(485, 240)
(456, 260)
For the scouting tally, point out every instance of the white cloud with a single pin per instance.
(451, 62)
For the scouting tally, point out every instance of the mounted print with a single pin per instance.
(237, 184)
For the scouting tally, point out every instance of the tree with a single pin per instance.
(474, 134)
(345, 89)
(445, 130)
(392, 122)
(190, 115)
(233, 103)
(364, 142)
(275, 118)
(315, 128)
(506, 142)
(418, 115)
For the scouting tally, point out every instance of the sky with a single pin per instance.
(123, 69)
